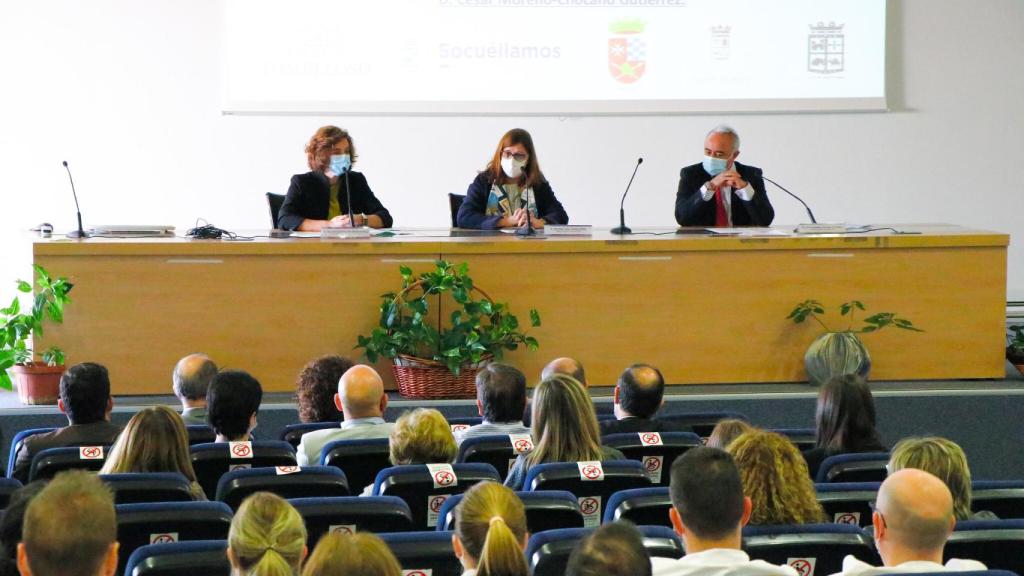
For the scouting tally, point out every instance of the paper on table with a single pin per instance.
(748, 231)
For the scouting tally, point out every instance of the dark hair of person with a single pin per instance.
(318, 150)
(233, 398)
(501, 390)
(532, 176)
(12, 518)
(614, 549)
(845, 415)
(316, 387)
(707, 492)
(85, 390)
(641, 396)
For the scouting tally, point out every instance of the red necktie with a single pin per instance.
(721, 218)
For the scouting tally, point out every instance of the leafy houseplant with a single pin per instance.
(479, 329)
(1015, 347)
(37, 382)
(837, 353)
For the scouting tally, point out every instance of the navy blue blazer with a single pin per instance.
(309, 197)
(693, 210)
(472, 212)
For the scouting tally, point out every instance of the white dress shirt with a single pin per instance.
(718, 562)
(308, 451)
(853, 566)
(707, 194)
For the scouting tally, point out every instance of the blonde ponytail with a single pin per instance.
(502, 554)
(267, 537)
(490, 522)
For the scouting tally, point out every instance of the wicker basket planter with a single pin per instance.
(423, 378)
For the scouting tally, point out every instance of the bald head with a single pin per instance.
(567, 366)
(192, 376)
(361, 393)
(916, 509)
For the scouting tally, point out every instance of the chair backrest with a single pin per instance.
(138, 487)
(274, 202)
(454, 203)
(656, 451)
(360, 459)
(1004, 498)
(848, 502)
(592, 484)
(16, 443)
(545, 510)
(346, 514)
(47, 463)
(285, 481)
(423, 553)
(7, 487)
(641, 506)
(292, 433)
(803, 438)
(548, 552)
(425, 492)
(857, 467)
(200, 434)
(702, 423)
(195, 558)
(141, 525)
(811, 549)
(460, 423)
(499, 451)
(214, 459)
(998, 544)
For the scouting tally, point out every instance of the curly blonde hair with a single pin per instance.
(775, 477)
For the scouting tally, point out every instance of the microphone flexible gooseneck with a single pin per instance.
(348, 200)
(622, 229)
(80, 233)
(808, 208)
(528, 229)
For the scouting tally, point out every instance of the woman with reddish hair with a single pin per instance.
(319, 199)
(511, 184)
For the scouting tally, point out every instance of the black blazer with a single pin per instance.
(100, 433)
(637, 424)
(693, 210)
(472, 212)
(309, 197)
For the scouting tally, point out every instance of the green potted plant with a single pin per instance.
(38, 382)
(841, 352)
(1015, 346)
(433, 361)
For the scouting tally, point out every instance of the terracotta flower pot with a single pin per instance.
(836, 354)
(38, 383)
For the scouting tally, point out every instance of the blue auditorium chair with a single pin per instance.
(848, 502)
(460, 423)
(496, 450)
(47, 463)
(1004, 498)
(998, 544)
(196, 558)
(353, 514)
(7, 487)
(415, 485)
(16, 443)
(858, 467)
(641, 506)
(592, 495)
(359, 459)
(214, 459)
(309, 481)
(138, 487)
(657, 459)
(702, 423)
(428, 552)
(140, 525)
(545, 510)
(812, 549)
(548, 552)
(292, 433)
(200, 434)
(803, 438)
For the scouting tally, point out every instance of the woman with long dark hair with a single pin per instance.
(844, 421)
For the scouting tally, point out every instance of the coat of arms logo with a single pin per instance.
(627, 51)
(826, 47)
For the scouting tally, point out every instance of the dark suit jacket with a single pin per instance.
(472, 212)
(693, 210)
(100, 433)
(636, 424)
(309, 197)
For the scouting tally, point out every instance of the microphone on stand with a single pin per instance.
(348, 200)
(528, 229)
(622, 229)
(808, 208)
(80, 233)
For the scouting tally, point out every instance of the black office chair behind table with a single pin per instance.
(454, 203)
(274, 201)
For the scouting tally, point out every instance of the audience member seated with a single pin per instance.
(85, 399)
(490, 532)
(708, 512)
(726, 431)
(267, 537)
(567, 367)
(844, 421)
(564, 429)
(233, 400)
(639, 394)
(912, 520)
(501, 400)
(775, 479)
(945, 460)
(614, 549)
(316, 388)
(154, 440)
(361, 398)
(70, 529)
(191, 379)
(422, 436)
(360, 554)
(10, 526)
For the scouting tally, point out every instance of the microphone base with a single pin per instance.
(621, 230)
(526, 231)
(78, 234)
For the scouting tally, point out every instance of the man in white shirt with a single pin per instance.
(362, 401)
(501, 400)
(709, 511)
(913, 518)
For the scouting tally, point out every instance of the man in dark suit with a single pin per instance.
(719, 191)
(85, 399)
(638, 396)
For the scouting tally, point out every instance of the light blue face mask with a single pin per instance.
(340, 163)
(715, 166)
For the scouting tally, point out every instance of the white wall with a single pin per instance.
(129, 93)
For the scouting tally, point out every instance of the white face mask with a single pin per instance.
(512, 167)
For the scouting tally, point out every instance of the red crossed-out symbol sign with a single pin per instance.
(523, 445)
(652, 463)
(415, 573)
(650, 438)
(436, 502)
(241, 450)
(162, 539)
(92, 452)
(343, 530)
(460, 427)
(444, 477)
(591, 471)
(589, 506)
(802, 566)
(847, 518)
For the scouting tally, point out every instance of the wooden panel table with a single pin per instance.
(704, 309)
